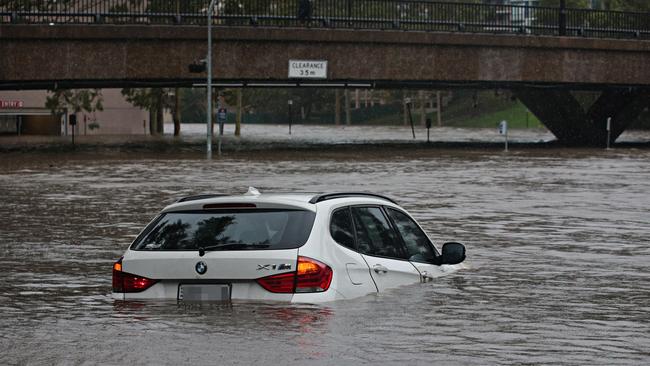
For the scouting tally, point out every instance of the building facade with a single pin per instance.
(24, 112)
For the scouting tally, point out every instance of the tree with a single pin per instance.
(624, 5)
(193, 105)
(576, 4)
(154, 100)
(61, 101)
(31, 5)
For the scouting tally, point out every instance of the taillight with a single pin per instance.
(127, 282)
(283, 283)
(310, 276)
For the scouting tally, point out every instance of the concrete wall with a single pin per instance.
(35, 55)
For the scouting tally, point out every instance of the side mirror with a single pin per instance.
(453, 253)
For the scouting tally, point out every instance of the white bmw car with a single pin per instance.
(281, 247)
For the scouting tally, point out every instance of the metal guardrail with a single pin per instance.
(420, 15)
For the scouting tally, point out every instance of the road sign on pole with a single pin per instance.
(503, 130)
(222, 116)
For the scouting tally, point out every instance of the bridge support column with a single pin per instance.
(563, 115)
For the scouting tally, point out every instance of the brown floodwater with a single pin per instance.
(558, 260)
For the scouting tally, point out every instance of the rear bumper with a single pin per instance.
(246, 291)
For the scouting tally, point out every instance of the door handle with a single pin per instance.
(378, 268)
(426, 277)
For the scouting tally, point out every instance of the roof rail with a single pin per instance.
(328, 196)
(199, 197)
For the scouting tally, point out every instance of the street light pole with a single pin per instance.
(209, 86)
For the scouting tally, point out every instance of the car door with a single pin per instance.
(421, 252)
(360, 281)
(382, 249)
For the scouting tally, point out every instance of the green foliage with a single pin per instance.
(174, 6)
(139, 97)
(150, 99)
(576, 4)
(74, 100)
(154, 100)
(516, 114)
(485, 109)
(624, 5)
(193, 105)
(275, 101)
(620, 5)
(33, 5)
(119, 8)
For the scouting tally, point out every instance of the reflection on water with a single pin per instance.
(559, 262)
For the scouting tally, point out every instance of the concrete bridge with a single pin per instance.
(542, 70)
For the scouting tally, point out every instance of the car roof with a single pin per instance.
(302, 200)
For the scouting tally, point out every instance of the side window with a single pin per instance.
(374, 234)
(418, 245)
(341, 228)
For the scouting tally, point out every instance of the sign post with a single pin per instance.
(290, 102)
(503, 130)
(609, 131)
(73, 123)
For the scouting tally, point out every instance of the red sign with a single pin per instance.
(11, 103)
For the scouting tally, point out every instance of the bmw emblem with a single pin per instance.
(201, 268)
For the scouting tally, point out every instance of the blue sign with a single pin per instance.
(503, 127)
(222, 114)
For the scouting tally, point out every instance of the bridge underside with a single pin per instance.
(565, 117)
(542, 71)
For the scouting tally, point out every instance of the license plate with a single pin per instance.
(203, 292)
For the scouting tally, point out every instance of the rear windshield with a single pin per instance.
(227, 230)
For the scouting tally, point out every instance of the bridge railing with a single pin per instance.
(420, 15)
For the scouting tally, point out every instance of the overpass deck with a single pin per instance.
(540, 53)
(418, 15)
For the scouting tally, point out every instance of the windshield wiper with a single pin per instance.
(202, 250)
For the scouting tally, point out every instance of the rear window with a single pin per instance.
(228, 230)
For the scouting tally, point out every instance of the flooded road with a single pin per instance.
(558, 257)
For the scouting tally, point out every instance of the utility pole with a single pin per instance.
(209, 86)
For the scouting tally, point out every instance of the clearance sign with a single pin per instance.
(307, 69)
(6, 104)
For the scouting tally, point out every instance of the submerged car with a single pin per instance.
(279, 247)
